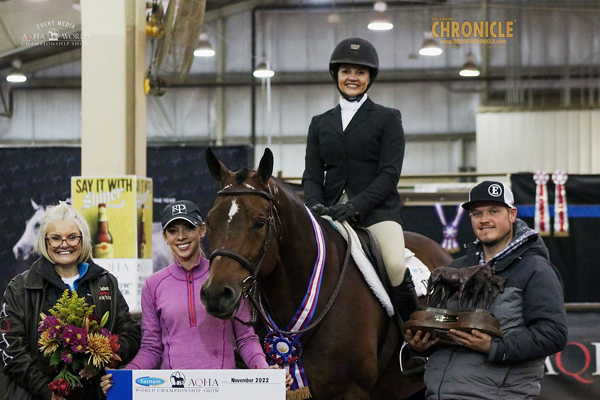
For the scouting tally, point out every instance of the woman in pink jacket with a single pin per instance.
(178, 333)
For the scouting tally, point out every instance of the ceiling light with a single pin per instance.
(334, 18)
(430, 48)
(469, 69)
(263, 71)
(204, 49)
(380, 22)
(15, 75)
(76, 5)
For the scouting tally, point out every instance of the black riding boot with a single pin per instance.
(404, 297)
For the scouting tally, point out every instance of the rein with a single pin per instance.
(254, 267)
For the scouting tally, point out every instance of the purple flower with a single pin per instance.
(69, 335)
(67, 357)
(104, 332)
(49, 321)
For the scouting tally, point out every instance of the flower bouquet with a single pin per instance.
(75, 338)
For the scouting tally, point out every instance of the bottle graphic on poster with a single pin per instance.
(142, 240)
(103, 242)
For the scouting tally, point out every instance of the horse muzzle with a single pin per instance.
(222, 302)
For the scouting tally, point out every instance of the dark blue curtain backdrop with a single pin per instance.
(43, 175)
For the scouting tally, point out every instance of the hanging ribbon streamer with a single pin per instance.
(561, 219)
(542, 215)
(450, 232)
(285, 349)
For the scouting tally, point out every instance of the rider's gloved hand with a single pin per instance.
(342, 212)
(319, 209)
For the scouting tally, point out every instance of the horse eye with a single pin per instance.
(260, 223)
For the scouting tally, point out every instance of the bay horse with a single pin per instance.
(263, 238)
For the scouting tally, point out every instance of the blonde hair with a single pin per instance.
(64, 211)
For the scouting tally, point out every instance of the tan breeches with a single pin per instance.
(390, 239)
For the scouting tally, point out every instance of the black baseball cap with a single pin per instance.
(181, 209)
(490, 191)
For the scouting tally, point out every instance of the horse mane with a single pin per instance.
(241, 175)
(288, 191)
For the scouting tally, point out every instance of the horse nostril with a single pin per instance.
(227, 295)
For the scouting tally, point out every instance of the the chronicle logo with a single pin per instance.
(49, 33)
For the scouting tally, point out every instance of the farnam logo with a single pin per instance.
(49, 34)
(450, 31)
(149, 381)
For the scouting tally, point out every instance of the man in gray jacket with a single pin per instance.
(531, 310)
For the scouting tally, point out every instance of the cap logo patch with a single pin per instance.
(495, 190)
(354, 46)
(179, 209)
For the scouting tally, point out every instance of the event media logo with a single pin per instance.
(49, 34)
(454, 32)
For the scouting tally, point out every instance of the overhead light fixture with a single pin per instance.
(334, 18)
(15, 75)
(430, 48)
(380, 22)
(204, 48)
(469, 68)
(76, 5)
(263, 71)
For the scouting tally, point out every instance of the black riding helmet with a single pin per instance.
(357, 51)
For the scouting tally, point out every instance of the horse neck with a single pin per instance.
(286, 286)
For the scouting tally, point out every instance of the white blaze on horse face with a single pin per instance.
(249, 186)
(233, 210)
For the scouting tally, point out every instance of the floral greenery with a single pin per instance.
(75, 338)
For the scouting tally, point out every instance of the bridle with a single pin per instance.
(273, 224)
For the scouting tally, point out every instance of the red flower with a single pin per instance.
(61, 387)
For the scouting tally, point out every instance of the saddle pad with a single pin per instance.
(419, 271)
(364, 265)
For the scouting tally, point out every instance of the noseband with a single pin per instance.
(273, 222)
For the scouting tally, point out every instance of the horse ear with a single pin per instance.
(35, 205)
(216, 167)
(265, 167)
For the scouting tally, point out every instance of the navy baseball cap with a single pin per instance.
(181, 209)
(490, 191)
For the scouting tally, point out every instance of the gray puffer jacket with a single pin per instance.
(532, 317)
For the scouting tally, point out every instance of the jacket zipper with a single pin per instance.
(439, 394)
(191, 299)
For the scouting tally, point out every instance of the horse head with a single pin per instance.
(24, 247)
(242, 235)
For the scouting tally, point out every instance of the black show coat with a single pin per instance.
(365, 160)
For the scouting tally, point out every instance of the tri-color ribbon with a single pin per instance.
(542, 215)
(561, 218)
(285, 349)
(450, 231)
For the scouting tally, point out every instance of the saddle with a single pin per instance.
(438, 322)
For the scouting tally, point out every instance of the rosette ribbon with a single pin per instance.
(285, 349)
(561, 218)
(450, 231)
(542, 215)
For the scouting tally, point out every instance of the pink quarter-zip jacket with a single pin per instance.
(178, 333)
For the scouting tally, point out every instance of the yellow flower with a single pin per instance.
(48, 342)
(99, 348)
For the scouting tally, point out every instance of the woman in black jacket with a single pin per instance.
(65, 245)
(354, 156)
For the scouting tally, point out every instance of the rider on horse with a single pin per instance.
(353, 162)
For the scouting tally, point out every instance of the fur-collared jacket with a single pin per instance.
(37, 290)
(532, 317)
